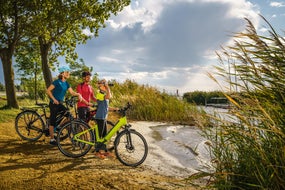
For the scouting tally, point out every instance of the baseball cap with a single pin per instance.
(86, 73)
(63, 68)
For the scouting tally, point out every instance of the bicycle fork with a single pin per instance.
(129, 144)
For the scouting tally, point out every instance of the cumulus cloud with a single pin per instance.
(166, 43)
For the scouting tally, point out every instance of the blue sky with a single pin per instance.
(171, 44)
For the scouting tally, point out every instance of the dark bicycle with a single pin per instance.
(33, 121)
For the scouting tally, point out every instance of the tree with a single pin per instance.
(13, 21)
(61, 25)
(58, 27)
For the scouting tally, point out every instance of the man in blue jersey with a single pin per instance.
(56, 92)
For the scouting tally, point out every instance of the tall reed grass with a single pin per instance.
(149, 104)
(250, 152)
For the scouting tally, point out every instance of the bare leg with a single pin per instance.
(51, 132)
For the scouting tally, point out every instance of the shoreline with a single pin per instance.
(163, 157)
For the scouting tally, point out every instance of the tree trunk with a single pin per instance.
(45, 47)
(6, 58)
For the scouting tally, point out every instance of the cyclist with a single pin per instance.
(103, 95)
(86, 91)
(56, 92)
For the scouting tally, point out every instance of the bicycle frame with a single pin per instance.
(120, 123)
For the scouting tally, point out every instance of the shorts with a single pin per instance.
(54, 110)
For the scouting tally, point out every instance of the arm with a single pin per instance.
(70, 90)
(49, 93)
(79, 90)
(92, 95)
(108, 92)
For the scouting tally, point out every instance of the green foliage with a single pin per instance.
(34, 89)
(37, 33)
(2, 87)
(201, 97)
(249, 152)
(151, 105)
(58, 27)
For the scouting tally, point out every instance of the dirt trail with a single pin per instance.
(25, 165)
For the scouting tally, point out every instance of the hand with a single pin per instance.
(55, 102)
(79, 97)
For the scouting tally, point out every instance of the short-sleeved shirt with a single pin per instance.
(86, 92)
(103, 104)
(60, 89)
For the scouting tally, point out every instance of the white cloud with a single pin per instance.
(167, 43)
(277, 4)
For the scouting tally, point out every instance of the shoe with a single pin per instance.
(100, 155)
(109, 155)
(53, 142)
(46, 132)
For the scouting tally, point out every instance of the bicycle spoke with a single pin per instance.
(131, 148)
(72, 147)
(29, 125)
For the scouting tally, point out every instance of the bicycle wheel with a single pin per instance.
(62, 135)
(131, 148)
(71, 147)
(29, 125)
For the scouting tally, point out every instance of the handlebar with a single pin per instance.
(124, 109)
(71, 101)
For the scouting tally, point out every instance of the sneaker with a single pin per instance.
(100, 155)
(53, 142)
(46, 132)
(109, 154)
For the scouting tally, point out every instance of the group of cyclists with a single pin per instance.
(84, 91)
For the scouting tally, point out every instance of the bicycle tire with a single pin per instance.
(69, 146)
(131, 148)
(61, 135)
(29, 125)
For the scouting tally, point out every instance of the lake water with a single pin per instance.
(182, 149)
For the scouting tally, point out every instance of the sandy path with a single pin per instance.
(25, 165)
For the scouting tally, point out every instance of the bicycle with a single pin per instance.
(130, 146)
(31, 125)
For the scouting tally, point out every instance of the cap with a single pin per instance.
(64, 68)
(86, 73)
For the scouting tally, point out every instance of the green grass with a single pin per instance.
(8, 115)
